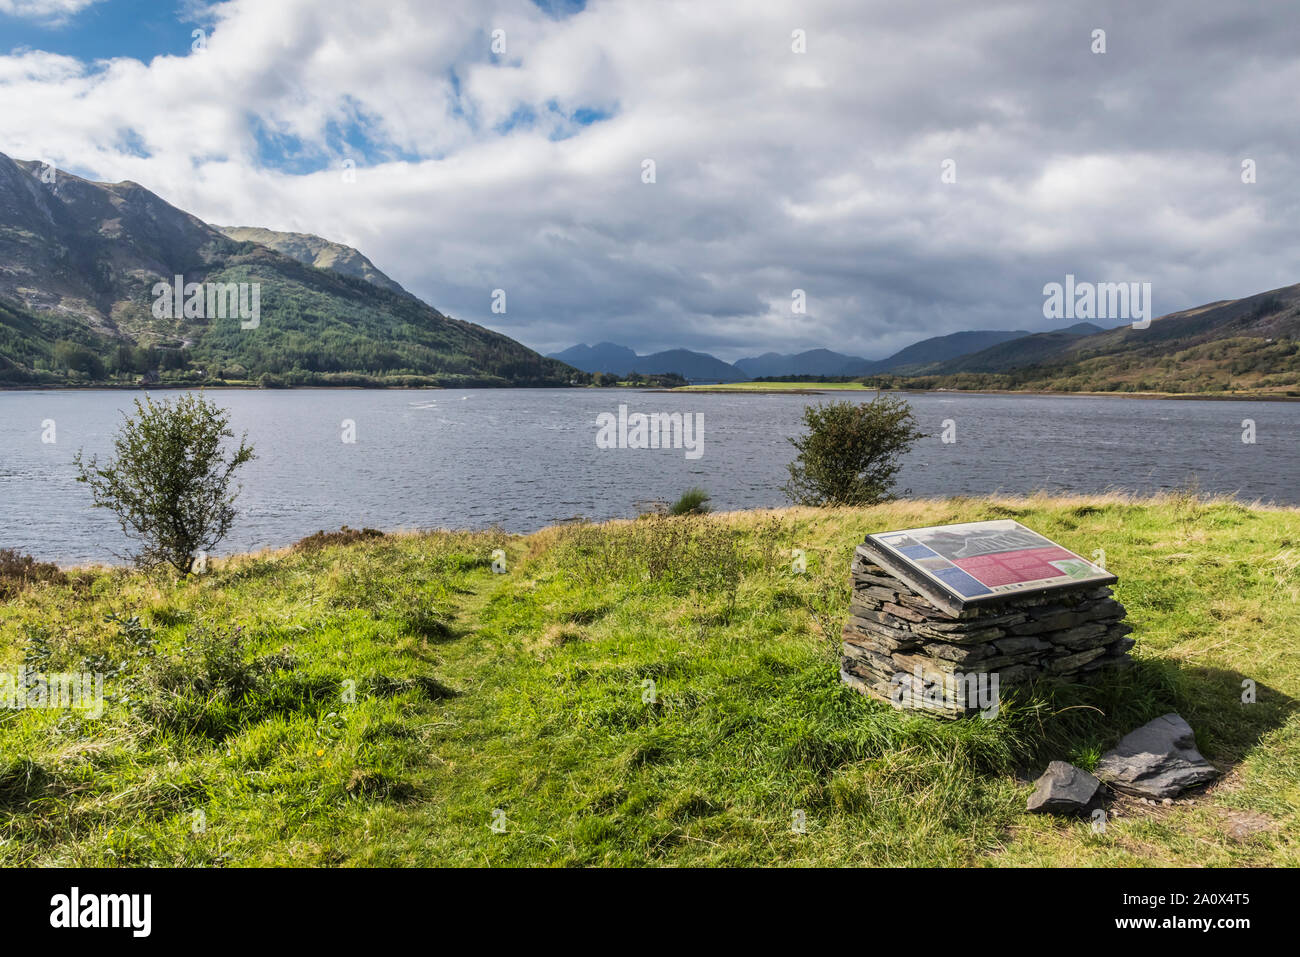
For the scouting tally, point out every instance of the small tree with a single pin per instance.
(169, 481)
(851, 452)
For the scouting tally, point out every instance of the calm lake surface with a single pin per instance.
(525, 458)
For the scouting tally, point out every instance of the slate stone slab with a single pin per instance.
(1065, 789)
(1069, 633)
(1158, 760)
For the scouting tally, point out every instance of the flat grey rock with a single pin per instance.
(1064, 789)
(1158, 760)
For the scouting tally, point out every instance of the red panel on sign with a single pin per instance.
(1009, 568)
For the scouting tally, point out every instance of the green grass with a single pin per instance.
(659, 692)
(776, 387)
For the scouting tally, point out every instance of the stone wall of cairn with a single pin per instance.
(1065, 634)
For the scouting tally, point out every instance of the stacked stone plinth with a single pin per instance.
(895, 637)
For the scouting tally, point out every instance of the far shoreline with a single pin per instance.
(801, 389)
(813, 390)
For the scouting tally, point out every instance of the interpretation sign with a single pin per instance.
(984, 561)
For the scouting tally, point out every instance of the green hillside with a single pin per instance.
(79, 262)
(1249, 345)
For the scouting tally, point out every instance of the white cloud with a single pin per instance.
(775, 169)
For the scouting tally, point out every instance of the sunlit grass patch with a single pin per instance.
(656, 691)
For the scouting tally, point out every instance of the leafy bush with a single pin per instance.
(17, 571)
(169, 483)
(851, 452)
(213, 686)
(694, 501)
(344, 536)
(212, 663)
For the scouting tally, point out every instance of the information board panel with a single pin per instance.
(985, 561)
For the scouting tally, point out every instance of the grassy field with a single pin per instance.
(776, 387)
(658, 692)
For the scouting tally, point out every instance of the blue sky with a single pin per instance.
(778, 167)
(141, 29)
(144, 29)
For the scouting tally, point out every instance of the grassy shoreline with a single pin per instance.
(525, 692)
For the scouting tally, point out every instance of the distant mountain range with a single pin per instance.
(702, 367)
(621, 361)
(817, 362)
(1025, 349)
(939, 348)
(1237, 345)
(1241, 345)
(79, 263)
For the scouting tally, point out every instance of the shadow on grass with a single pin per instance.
(21, 781)
(427, 686)
(1080, 722)
(834, 745)
(432, 626)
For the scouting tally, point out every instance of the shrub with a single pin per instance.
(344, 536)
(694, 501)
(213, 685)
(169, 483)
(212, 663)
(17, 571)
(851, 452)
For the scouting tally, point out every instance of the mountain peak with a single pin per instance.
(611, 358)
(314, 251)
(84, 266)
